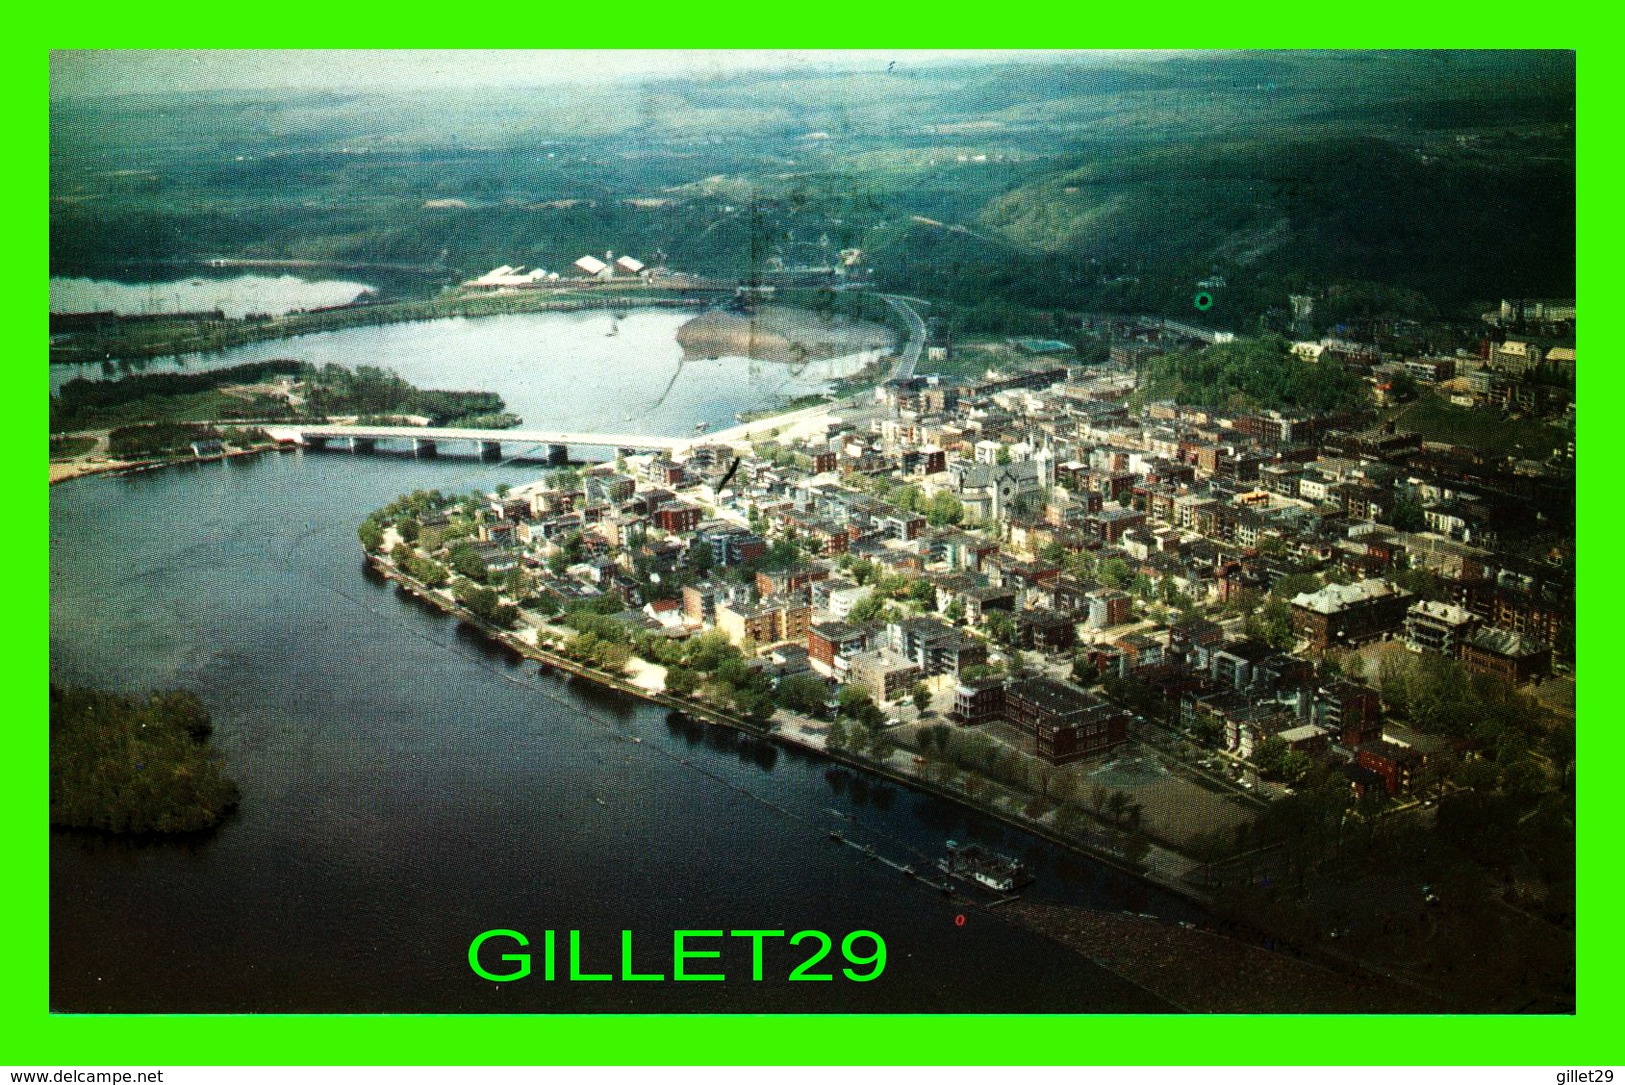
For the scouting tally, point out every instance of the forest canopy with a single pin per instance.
(1258, 374)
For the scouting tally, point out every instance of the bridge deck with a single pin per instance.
(302, 434)
(512, 437)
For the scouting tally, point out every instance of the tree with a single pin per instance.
(1084, 674)
(801, 693)
(936, 735)
(1407, 514)
(1275, 759)
(924, 593)
(1272, 624)
(371, 534)
(944, 509)
(681, 682)
(1001, 627)
(868, 608)
(921, 693)
(1113, 572)
(466, 561)
(754, 704)
(955, 612)
(852, 701)
(1293, 584)
(858, 705)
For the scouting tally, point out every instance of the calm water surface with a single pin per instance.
(555, 370)
(407, 785)
(236, 296)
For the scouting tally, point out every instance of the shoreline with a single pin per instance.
(296, 325)
(76, 469)
(539, 654)
(1115, 943)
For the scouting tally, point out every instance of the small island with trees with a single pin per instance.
(131, 764)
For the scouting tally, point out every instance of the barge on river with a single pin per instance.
(974, 863)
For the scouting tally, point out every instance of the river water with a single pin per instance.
(586, 370)
(236, 295)
(407, 785)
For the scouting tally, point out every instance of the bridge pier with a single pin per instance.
(317, 443)
(363, 444)
(490, 450)
(423, 448)
(558, 455)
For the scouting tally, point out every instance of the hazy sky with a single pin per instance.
(125, 71)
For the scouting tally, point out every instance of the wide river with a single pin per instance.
(581, 371)
(406, 785)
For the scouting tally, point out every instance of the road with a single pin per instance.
(910, 357)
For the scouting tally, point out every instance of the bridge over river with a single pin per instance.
(426, 440)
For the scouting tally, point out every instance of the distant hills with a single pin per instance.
(1428, 180)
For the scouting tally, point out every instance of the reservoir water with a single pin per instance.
(407, 785)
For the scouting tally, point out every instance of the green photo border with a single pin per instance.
(30, 1036)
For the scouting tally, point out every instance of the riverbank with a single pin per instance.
(1195, 970)
(65, 471)
(802, 735)
(158, 339)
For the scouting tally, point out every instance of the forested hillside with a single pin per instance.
(1099, 182)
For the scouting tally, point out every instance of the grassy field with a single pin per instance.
(1489, 430)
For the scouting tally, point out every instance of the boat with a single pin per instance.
(701, 427)
(837, 837)
(983, 866)
(910, 872)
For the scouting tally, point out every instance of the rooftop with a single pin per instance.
(1335, 598)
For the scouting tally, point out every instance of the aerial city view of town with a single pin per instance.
(1065, 532)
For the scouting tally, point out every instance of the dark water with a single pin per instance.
(406, 785)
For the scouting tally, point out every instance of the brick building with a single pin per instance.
(1343, 614)
(1068, 724)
